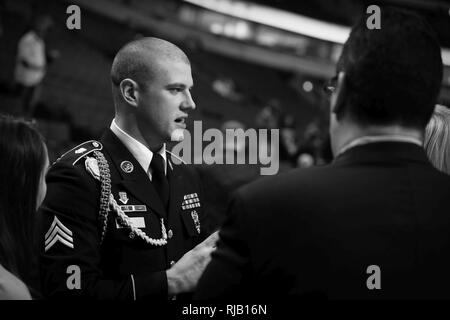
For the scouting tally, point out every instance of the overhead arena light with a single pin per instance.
(277, 18)
(284, 20)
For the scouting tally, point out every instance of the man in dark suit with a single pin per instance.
(373, 224)
(121, 220)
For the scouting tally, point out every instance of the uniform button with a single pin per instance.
(170, 234)
(172, 263)
(131, 235)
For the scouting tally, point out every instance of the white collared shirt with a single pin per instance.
(140, 152)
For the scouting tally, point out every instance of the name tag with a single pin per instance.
(133, 207)
(137, 222)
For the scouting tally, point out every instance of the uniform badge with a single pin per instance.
(136, 222)
(127, 166)
(123, 197)
(190, 201)
(134, 208)
(58, 233)
(91, 165)
(196, 220)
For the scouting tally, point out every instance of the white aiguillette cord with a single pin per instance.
(98, 167)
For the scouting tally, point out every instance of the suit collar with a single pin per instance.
(379, 138)
(388, 151)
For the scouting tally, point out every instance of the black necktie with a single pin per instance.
(159, 179)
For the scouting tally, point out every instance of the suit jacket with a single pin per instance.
(124, 266)
(377, 217)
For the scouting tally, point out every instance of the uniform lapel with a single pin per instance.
(176, 187)
(136, 181)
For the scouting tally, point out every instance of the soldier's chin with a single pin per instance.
(177, 135)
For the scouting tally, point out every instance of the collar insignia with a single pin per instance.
(127, 166)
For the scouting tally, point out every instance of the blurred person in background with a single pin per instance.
(220, 180)
(437, 138)
(31, 63)
(314, 149)
(24, 160)
(269, 116)
(288, 139)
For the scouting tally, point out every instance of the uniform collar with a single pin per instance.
(140, 152)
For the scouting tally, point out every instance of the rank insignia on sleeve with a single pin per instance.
(196, 220)
(190, 201)
(58, 233)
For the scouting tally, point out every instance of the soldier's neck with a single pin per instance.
(131, 128)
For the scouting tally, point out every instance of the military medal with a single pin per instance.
(190, 201)
(127, 166)
(196, 220)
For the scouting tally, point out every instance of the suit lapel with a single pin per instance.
(136, 181)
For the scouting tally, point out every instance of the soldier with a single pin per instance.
(121, 220)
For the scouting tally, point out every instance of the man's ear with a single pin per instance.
(129, 91)
(340, 95)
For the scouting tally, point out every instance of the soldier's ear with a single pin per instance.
(129, 91)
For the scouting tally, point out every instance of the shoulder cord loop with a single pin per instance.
(107, 203)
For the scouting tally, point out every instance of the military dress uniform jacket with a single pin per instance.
(76, 263)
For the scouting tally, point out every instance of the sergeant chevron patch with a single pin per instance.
(58, 232)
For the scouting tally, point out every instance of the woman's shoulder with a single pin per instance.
(11, 287)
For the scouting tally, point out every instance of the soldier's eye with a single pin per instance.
(175, 90)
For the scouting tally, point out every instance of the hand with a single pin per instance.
(184, 275)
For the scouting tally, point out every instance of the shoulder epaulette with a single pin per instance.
(80, 151)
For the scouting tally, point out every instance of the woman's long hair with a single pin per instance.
(437, 139)
(22, 159)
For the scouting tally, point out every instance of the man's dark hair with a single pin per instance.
(394, 73)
